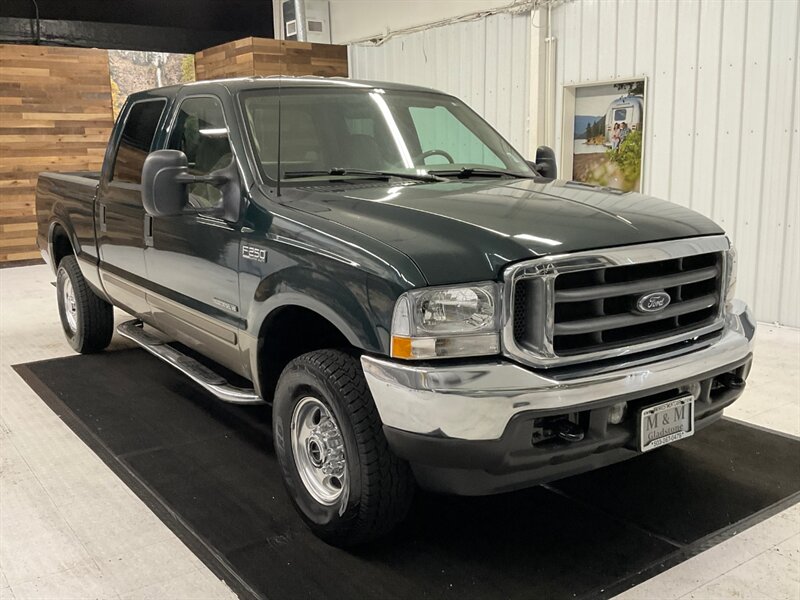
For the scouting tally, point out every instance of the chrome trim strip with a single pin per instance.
(546, 269)
(196, 371)
(189, 316)
(192, 318)
(476, 401)
(131, 288)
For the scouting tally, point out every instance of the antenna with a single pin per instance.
(280, 77)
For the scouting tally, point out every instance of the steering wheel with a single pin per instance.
(434, 152)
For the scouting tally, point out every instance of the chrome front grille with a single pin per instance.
(577, 307)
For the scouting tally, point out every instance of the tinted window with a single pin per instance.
(137, 138)
(201, 134)
(302, 145)
(376, 129)
(443, 137)
(620, 114)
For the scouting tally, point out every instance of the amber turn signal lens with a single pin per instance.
(401, 347)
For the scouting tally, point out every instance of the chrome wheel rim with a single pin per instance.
(318, 449)
(70, 307)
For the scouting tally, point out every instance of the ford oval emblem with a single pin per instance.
(653, 302)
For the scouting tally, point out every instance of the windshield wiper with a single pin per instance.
(337, 171)
(467, 172)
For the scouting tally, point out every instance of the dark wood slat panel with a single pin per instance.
(260, 56)
(55, 115)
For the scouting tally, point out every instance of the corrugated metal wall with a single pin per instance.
(721, 131)
(483, 62)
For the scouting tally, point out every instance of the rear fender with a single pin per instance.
(57, 222)
(86, 262)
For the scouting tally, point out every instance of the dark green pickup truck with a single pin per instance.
(419, 303)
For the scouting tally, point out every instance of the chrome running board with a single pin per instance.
(196, 371)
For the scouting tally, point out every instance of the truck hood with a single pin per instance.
(464, 231)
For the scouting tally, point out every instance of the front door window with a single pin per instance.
(201, 134)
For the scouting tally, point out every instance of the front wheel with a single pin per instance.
(342, 477)
(88, 320)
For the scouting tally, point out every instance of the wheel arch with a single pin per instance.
(305, 307)
(60, 242)
(292, 329)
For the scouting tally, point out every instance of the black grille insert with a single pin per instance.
(596, 309)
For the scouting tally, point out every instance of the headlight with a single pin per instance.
(730, 277)
(446, 322)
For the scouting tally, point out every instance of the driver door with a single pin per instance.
(192, 259)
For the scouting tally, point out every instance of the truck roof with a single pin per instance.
(273, 81)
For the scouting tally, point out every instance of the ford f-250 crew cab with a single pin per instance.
(420, 304)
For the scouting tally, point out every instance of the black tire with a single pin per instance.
(93, 316)
(380, 485)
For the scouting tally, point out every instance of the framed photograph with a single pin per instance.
(603, 133)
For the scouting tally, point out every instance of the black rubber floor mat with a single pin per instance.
(209, 471)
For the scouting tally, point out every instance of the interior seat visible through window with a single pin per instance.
(200, 133)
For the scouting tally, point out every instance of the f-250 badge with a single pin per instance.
(254, 253)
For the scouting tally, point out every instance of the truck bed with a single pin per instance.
(78, 177)
(67, 200)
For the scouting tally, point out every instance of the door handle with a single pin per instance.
(148, 230)
(103, 226)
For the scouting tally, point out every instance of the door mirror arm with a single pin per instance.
(215, 178)
(230, 184)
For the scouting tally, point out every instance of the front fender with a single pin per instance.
(357, 306)
(341, 300)
(305, 261)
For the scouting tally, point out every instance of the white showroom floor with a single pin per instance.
(70, 529)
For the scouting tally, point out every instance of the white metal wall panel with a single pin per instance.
(484, 62)
(779, 144)
(723, 105)
(721, 132)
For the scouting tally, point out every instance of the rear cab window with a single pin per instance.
(136, 140)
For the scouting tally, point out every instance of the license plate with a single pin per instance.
(666, 423)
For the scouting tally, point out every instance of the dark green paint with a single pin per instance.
(343, 251)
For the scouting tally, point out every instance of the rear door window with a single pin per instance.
(137, 139)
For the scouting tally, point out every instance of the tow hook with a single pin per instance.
(731, 381)
(559, 427)
(568, 431)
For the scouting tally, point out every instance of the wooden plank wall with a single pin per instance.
(55, 114)
(260, 56)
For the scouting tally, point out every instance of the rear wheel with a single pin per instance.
(337, 466)
(87, 319)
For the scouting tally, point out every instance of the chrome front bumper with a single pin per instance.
(477, 401)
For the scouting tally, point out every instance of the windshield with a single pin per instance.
(371, 129)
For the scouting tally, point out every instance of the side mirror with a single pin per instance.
(163, 194)
(545, 163)
(165, 175)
